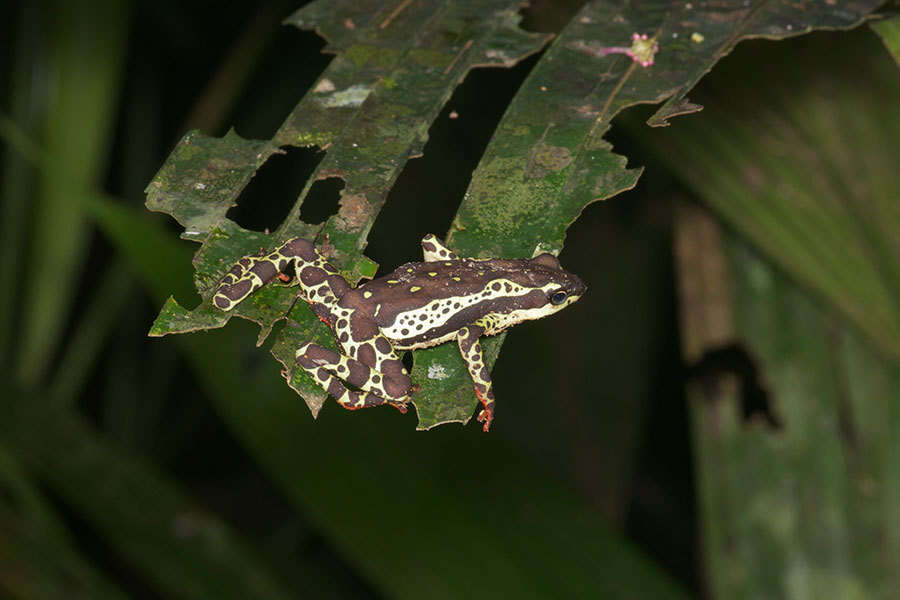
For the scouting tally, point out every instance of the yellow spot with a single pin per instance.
(409, 270)
(697, 38)
(480, 273)
(432, 274)
(414, 288)
(367, 294)
(393, 281)
(456, 279)
(448, 264)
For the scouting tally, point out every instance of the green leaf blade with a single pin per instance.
(370, 110)
(807, 174)
(87, 60)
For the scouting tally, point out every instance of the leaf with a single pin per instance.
(803, 163)
(703, 34)
(889, 31)
(546, 162)
(371, 110)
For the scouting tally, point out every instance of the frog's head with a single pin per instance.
(560, 287)
(540, 287)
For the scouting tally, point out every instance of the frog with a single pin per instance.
(444, 298)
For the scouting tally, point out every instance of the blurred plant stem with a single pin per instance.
(84, 73)
(67, 198)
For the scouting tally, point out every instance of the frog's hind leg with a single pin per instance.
(387, 383)
(252, 272)
(471, 352)
(349, 399)
(434, 249)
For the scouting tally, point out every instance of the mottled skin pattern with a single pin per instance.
(417, 306)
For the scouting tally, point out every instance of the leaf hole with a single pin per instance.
(291, 63)
(273, 190)
(735, 360)
(322, 201)
(428, 191)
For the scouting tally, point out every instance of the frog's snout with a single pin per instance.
(578, 287)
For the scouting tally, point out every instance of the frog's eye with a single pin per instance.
(559, 297)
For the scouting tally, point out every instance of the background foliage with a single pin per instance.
(184, 467)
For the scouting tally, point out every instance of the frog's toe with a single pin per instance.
(401, 406)
(486, 417)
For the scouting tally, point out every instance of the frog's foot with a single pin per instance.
(329, 368)
(486, 417)
(349, 399)
(352, 399)
(401, 406)
(473, 356)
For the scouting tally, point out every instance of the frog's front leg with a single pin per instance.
(434, 249)
(470, 348)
